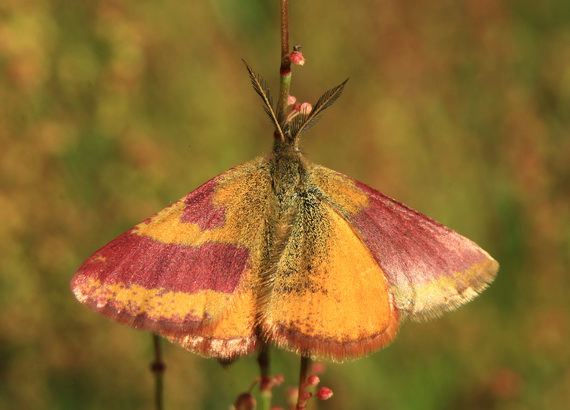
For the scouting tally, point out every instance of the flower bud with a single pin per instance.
(306, 108)
(296, 57)
(278, 379)
(313, 380)
(324, 393)
(245, 401)
(291, 395)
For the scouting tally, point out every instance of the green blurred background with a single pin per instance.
(111, 110)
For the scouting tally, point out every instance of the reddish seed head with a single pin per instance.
(324, 393)
(292, 394)
(313, 380)
(266, 384)
(306, 108)
(296, 57)
(245, 401)
(278, 379)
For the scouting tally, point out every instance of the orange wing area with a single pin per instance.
(431, 268)
(330, 298)
(189, 272)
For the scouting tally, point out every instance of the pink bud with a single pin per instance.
(306, 108)
(278, 379)
(307, 395)
(265, 384)
(245, 401)
(324, 393)
(296, 57)
(291, 100)
(313, 380)
(291, 395)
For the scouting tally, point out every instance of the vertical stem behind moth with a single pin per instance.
(263, 359)
(157, 367)
(302, 397)
(285, 68)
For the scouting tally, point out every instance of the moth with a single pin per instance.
(284, 252)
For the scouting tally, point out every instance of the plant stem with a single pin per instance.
(301, 398)
(284, 28)
(285, 67)
(158, 367)
(265, 383)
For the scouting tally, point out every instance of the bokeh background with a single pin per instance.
(110, 110)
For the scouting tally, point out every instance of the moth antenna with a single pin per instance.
(262, 89)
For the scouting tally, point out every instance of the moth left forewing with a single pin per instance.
(431, 268)
(189, 272)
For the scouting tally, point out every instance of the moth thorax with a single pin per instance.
(288, 172)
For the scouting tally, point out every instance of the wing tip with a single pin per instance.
(479, 277)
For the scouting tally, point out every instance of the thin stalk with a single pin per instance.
(265, 383)
(302, 397)
(157, 368)
(284, 28)
(285, 67)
